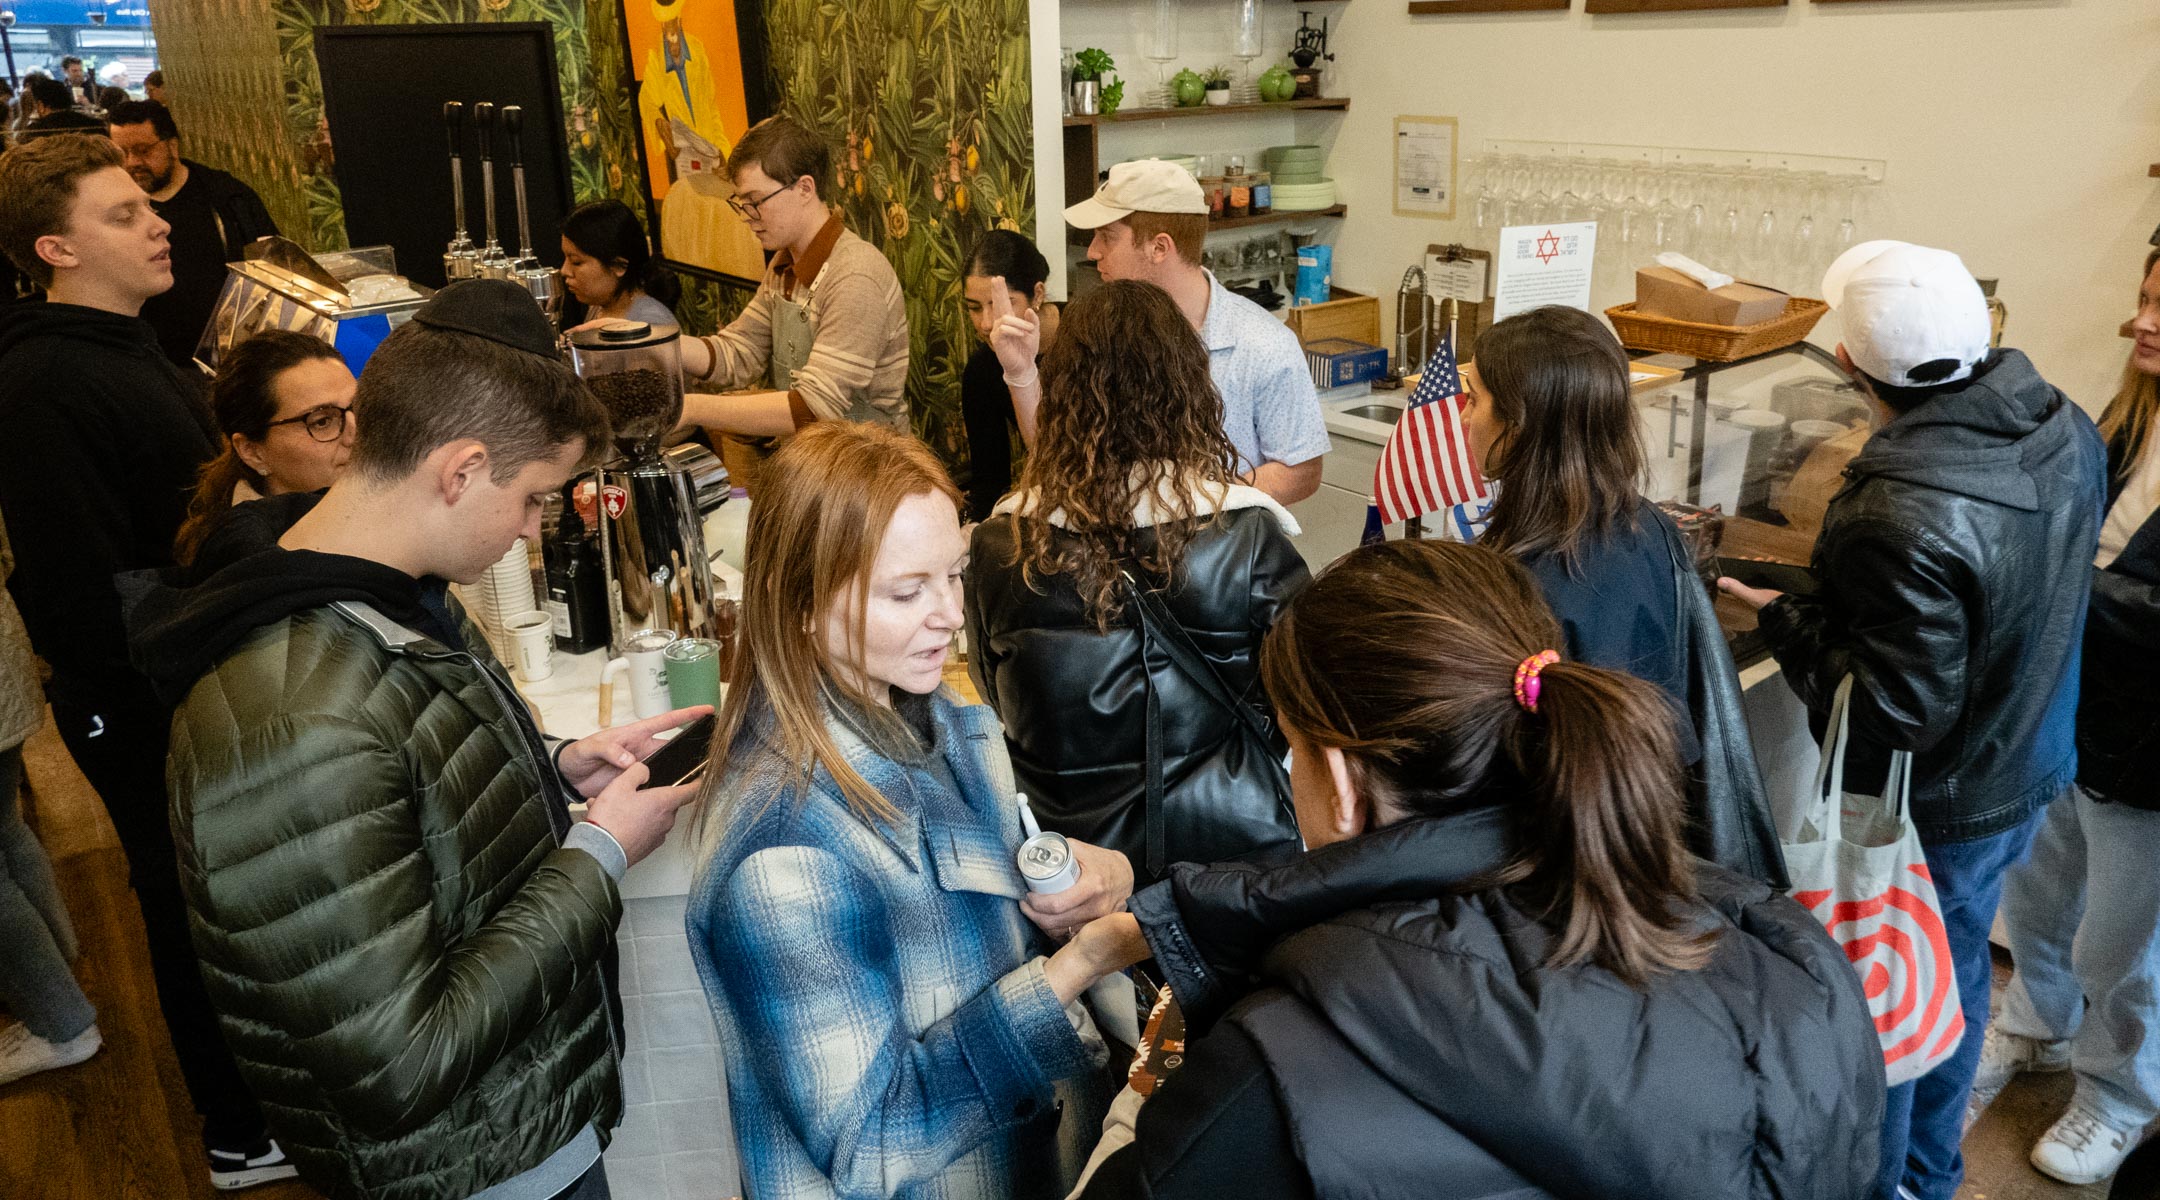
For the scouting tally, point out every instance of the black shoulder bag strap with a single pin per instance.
(1159, 628)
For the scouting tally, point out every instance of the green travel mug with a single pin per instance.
(693, 672)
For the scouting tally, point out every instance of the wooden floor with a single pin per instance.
(119, 1127)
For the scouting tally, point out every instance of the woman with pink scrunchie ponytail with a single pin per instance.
(1497, 971)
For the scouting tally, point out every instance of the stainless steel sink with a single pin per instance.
(1386, 414)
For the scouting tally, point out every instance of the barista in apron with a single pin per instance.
(826, 334)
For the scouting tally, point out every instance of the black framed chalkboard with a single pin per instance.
(384, 87)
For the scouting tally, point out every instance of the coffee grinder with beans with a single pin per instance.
(652, 540)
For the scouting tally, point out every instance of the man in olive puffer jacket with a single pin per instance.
(409, 944)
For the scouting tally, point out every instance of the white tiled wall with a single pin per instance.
(675, 1142)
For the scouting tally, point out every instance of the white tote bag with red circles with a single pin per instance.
(1857, 866)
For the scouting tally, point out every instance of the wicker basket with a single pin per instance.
(1715, 343)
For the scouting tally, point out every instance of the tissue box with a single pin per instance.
(1664, 292)
(1337, 362)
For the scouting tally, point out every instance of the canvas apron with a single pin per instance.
(792, 338)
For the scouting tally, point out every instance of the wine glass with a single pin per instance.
(1249, 41)
(1162, 46)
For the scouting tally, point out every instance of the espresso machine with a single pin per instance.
(652, 540)
(462, 259)
(541, 282)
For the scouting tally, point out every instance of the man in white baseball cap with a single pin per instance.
(1150, 221)
(1954, 570)
(1914, 317)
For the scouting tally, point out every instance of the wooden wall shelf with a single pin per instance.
(1324, 103)
(1083, 166)
(1441, 8)
(1275, 218)
(1659, 6)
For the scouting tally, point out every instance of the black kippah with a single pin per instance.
(495, 309)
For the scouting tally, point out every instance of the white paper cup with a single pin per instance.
(532, 644)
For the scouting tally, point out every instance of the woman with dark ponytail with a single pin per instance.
(609, 268)
(1497, 971)
(283, 404)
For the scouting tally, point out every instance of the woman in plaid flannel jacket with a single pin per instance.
(892, 1020)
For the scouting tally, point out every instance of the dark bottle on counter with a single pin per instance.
(576, 584)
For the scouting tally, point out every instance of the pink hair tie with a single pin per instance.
(1527, 685)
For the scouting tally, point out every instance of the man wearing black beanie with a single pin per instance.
(408, 941)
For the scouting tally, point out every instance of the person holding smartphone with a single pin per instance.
(409, 943)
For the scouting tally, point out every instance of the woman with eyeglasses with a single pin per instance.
(283, 402)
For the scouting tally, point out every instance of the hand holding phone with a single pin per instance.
(682, 758)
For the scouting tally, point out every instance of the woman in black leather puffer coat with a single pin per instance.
(1498, 973)
(1131, 473)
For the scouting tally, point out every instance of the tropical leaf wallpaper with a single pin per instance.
(926, 103)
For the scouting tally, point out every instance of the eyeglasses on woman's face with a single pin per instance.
(324, 422)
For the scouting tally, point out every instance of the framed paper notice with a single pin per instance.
(1425, 167)
(1543, 264)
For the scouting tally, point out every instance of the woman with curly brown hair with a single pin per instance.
(1117, 599)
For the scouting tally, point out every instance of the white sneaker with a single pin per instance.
(2003, 1057)
(2082, 1147)
(249, 1166)
(25, 1053)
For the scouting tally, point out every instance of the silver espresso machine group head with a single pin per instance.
(652, 538)
(542, 282)
(462, 259)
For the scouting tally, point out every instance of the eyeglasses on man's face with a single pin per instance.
(748, 209)
(324, 422)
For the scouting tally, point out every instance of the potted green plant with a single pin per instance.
(1113, 95)
(1217, 81)
(1089, 67)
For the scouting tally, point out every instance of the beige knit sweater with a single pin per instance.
(859, 359)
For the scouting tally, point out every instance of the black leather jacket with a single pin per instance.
(1074, 700)
(1955, 563)
(1412, 1043)
(2118, 721)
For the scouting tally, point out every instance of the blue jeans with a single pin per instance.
(2083, 915)
(36, 984)
(1924, 1121)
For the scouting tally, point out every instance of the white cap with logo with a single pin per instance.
(1913, 315)
(1149, 185)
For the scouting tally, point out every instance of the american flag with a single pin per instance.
(1427, 465)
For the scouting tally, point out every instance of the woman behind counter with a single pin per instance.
(890, 1022)
(1497, 972)
(1553, 425)
(609, 267)
(1003, 261)
(283, 402)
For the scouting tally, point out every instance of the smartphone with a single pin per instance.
(1777, 576)
(682, 757)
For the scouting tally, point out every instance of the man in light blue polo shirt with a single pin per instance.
(1149, 220)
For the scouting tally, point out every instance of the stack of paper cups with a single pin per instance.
(505, 591)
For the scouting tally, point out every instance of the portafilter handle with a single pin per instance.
(513, 123)
(454, 125)
(484, 117)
